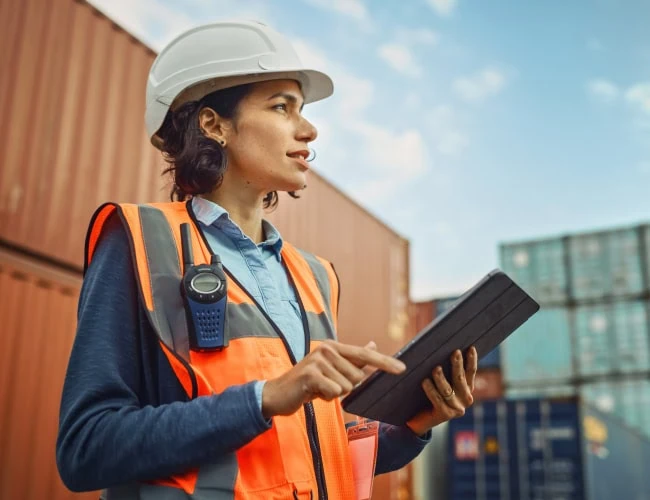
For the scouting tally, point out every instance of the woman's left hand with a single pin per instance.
(449, 400)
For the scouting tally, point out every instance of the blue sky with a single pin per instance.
(464, 124)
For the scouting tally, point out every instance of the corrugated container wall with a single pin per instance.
(73, 91)
(582, 268)
(539, 268)
(606, 264)
(536, 449)
(540, 350)
(38, 307)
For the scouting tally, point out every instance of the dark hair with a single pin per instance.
(197, 162)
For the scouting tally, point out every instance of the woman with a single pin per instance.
(230, 387)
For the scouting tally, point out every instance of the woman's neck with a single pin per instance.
(245, 211)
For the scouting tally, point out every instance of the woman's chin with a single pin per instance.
(297, 183)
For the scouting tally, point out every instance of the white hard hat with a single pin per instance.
(221, 55)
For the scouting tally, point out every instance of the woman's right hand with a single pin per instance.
(330, 371)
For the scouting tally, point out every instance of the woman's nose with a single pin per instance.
(306, 131)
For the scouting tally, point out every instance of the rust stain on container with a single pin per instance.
(39, 306)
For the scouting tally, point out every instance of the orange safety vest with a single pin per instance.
(304, 455)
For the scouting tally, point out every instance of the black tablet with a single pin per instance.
(482, 317)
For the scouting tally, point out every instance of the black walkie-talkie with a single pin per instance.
(205, 294)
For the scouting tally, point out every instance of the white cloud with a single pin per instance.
(353, 94)
(145, 17)
(397, 159)
(603, 90)
(393, 151)
(417, 36)
(639, 95)
(385, 158)
(488, 82)
(400, 58)
(443, 7)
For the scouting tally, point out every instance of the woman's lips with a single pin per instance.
(300, 157)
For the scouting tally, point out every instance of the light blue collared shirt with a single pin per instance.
(258, 267)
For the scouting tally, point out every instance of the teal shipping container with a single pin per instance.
(541, 391)
(536, 449)
(539, 268)
(540, 350)
(612, 337)
(607, 264)
(561, 345)
(581, 267)
(627, 399)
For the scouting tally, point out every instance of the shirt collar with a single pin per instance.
(212, 214)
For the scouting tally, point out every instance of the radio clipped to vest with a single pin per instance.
(204, 289)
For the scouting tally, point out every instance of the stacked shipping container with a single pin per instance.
(535, 449)
(591, 336)
(84, 77)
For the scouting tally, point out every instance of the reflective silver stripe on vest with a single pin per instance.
(168, 316)
(246, 320)
(215, 482)
(322, 280)
(320, 326)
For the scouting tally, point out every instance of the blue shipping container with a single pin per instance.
(535, 449)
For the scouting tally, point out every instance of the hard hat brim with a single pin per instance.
(315, 86)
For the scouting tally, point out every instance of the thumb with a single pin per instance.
(371, 345)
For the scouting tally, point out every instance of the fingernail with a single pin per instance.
(439, 370)
(399, 365)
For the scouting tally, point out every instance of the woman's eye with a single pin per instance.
(281, 107)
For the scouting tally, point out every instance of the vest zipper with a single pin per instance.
(310, 416)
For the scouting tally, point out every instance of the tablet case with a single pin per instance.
(483, 317)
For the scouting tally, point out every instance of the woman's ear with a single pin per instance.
(214, 126)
